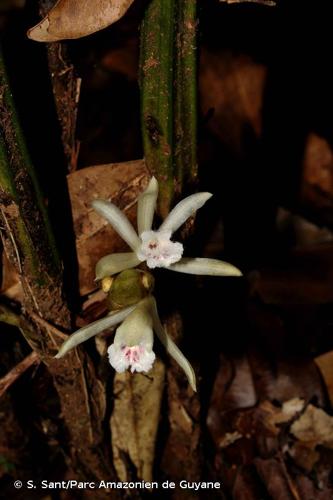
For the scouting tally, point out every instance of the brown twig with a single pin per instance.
(17, 371)
(47, 326)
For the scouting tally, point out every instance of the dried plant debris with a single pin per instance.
(94, 237)
(280, 445)
(305, 277)
(182, 449)
(314, 427)
(300, 231)
(325, 365)
(233, 389)
(226, 79)
(11, 286)
(317, 182)
(134, 421)
(77, 18)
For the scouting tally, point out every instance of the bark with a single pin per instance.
(66, 90)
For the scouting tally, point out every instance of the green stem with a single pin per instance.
(27, 235)
(186, 93)
(169, 95)
(157, 52)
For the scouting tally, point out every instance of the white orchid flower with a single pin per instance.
(133, 343)
(156, 247)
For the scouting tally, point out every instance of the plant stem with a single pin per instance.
(27, 235)
(185, 104)
(169, 95)
(157, 52)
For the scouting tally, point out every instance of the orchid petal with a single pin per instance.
(146, 206)
(118, 221)
(94, 328)
(207, 267)
(133, 342)
(172, 348)
(157, 249)
(137, 327)
(183, 210)
(115, 263)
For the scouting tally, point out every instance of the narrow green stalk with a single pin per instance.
(157, 53)
(169, 95)
(185, 100)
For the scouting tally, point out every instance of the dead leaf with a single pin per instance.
(120, 183)
(316, 193)
(325, 365)
(276, 478)
(304, 278)
(314, 427)
(308, 488)
(77, 18)
(11, 285)
(285, 379)
(229, 438)
(318, 164)
(272, 415)
(233, 87)
(233, 389)
(291, 408)
(245, 486)
(134, 421)
(304, 456)
(262, 425)
(182, 451)
(302, 231)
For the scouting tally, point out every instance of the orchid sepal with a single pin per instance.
(93, 329)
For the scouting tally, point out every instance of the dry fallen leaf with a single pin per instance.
(305, 277)
(303, 456)
(231, 83)
(314, 427)
(275, 476)
(77, 18)
(229, 438)
(316, 194)
(120, 183)
(233, 389)
(182, 450)
(134, 421)
(272, 416)
(11, 286)
(318, 165)
(302, 231)
(325, 365)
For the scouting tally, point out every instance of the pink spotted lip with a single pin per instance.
(133, 354)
